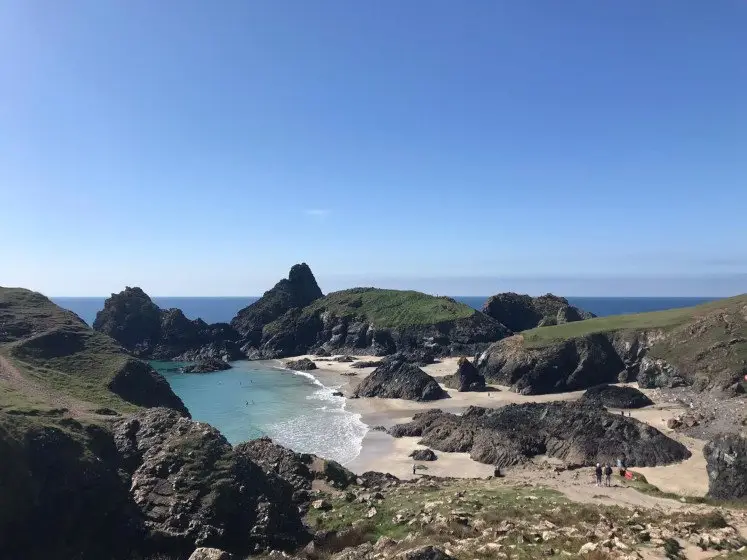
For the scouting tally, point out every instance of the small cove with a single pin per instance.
(255, 399)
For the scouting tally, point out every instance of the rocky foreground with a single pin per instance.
(576, 433)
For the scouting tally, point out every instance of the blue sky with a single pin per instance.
(197, 148)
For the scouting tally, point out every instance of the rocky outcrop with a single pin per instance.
(423, 455)
(194, 490)
(726, 462)
(613, 396)
(466, 378)
(522, 312)
(304, 364)
(210, 554)
(400, 380)
(576, 433)
(137, 382)
(206, 365)
(295, 292)
(568, 365)
(298, 469)
(147, 331)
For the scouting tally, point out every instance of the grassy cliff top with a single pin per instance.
(391, 308)
(51, 360)
(668, 319)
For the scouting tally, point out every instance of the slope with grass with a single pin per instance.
(380, 322)
(703, 346)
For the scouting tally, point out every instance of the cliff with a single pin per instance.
(522, 312)
(703, 346)
(147, 331)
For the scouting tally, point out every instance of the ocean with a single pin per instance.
(295, 409)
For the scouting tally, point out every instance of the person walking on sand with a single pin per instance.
(607, 474)
(413, 469)
(598, 473)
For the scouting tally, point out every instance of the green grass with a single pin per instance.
(543, 336)
(391, 308)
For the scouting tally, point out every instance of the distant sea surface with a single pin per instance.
(223, 309)
(294, 408)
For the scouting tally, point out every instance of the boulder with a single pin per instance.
(578, 433)
(427, 553)
(423, 455)
(466, 378)
(522, 312)
(613, 396)
(304, 364)
(400, 380)
(365, 364)
(206, 366)
(569, 365)
(726, 463)
(193, 489)
(210, 554)
(344, 359)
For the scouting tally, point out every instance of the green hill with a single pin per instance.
(391, 308)
(50, 359)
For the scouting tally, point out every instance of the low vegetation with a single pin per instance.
(670, 318)
(391, 308)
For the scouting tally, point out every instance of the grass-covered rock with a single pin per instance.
(703, 346)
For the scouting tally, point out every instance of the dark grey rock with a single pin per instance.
(400, 380)
(467, 378)
(522, 312)
(613, 396)
(206, 366)
(304, 364)
(423, 455)
(726, 463)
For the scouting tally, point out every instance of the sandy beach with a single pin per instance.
(381, 452)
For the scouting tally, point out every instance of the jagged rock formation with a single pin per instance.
(569, 365)
(147, 331)
(613, 396)
(574, 432)
(206, 365)
(423, 455)
(400, 380)
(298, 469)
(304, 364)
(293, 319)
(295, 292)
(466, 378)
(194, 490)
(726, 460)
(522, 312)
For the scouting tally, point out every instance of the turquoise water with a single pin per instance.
(255, 399)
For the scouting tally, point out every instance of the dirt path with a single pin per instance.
(11, 377)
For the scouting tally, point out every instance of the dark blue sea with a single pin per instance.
(294, 408)
(222, 309)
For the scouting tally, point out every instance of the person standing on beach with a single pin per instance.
(607, 474)
(598, 473)
(413, 469)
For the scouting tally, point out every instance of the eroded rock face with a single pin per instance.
(147, 331)
(294, 292)
(569, 365)
(522, 312)
(298, 469)
(193, 490)
(400, 380)
(726, 462)
(613, 396)
(206, 365)
(577, 433)
(467, 378)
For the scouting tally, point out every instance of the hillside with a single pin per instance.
(703, 346)
(380, 322)
(49, 355)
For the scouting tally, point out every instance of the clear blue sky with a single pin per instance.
(201, 148)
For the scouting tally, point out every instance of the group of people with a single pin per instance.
(606, 471)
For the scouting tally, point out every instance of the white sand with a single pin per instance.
(384, 453)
